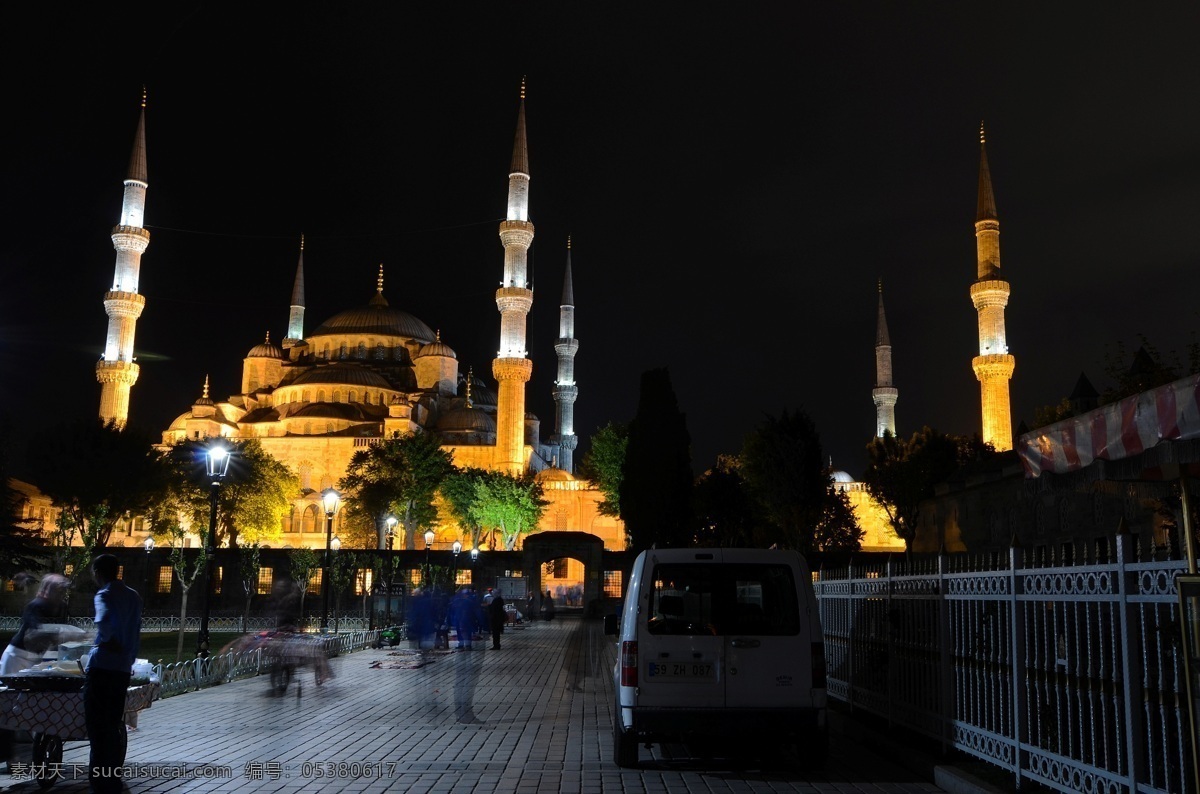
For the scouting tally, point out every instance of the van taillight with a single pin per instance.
(818, 665)
(629, 663)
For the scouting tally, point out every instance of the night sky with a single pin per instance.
(735, 177)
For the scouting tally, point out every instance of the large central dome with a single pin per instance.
(376, 318)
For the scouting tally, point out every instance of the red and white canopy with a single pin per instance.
(1116, 431)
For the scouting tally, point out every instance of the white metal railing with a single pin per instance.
(215, 624)
(1068, 676)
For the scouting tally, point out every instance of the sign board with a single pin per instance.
(512, 588)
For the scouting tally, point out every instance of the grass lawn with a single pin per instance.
(159, 646)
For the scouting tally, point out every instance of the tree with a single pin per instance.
(837, 528)
(902, 474)
(656, 478)
(304, 564)
(19, 546)
(725, 512)
(458, 491)
(784, 467)
(398, 476)
(513, 505)
(603, 463)
(249, 565)
(251, 501)
(341, 572)
(95, 474)
(186, 567)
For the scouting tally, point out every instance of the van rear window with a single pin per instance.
(723, 599)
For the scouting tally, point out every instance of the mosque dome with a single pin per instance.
(437, 348)
(553, 474)
(343, 374)
(265, 350)
(840, 476)
(377, 318)
(467, 420)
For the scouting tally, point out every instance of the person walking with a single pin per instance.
(31, 642)
(118, 623)
(462, 615)
(496, 618)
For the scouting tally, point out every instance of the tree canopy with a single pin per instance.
(513, 505)
(603, 464)
(656, 478)
(399, 476)
(460, 494)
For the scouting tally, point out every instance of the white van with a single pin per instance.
(719, 643)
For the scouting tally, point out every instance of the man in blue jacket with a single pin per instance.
(118, 627)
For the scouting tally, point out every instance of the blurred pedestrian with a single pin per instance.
(462, 615)
(118, 623)
(529, 613)
(496, 619)
(547, 606)
(30, 643)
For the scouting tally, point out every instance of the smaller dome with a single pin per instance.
(437, 348)
(265, 350)
(553, 474)
(472, 420)
(840, 476)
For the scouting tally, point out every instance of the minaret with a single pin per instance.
(295, 331)
(993, 366)
(565, 390)
(514, 299)
(885, 393)
(117, 370)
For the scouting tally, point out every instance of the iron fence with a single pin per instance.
(1070, 676)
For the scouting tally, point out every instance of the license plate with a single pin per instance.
(679, 671)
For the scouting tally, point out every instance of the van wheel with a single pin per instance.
(625, 746)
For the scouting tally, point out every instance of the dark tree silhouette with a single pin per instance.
(784, 468)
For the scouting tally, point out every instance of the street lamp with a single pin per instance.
(217, 456)
(330, 499)
(149, 544)
(455, 548)
(391, 522)
(428, 542)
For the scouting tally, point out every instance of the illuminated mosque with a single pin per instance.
(374, 372)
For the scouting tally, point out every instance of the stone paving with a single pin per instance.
(533, 717)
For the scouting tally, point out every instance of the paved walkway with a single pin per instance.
(535, 716)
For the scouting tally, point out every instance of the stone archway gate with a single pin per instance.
(541, 547)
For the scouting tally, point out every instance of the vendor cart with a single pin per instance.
(51, 709)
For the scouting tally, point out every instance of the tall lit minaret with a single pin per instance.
(565, 390)
(117, 370)
(993, 366)
(885, 393)
(295, 330)
(514, 299)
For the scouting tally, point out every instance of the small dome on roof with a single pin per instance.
(265, 350)
(465, 419)
(840, 476)
(437, 348)
(553, 474)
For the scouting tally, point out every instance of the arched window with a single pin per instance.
(305, 398)
(362, 350)
(306, 467)
(308, 428)
(337, 396)
(320, 395)
(380, 353)
(325, 351)
(342, 351)
(352, 397)
(290, 522)
(310, 519)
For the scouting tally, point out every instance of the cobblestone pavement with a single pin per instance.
(535, 716)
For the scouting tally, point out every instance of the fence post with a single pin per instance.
(1016, 560)
(946, 657)
(1126, 582)
(850, 612)
(889, 636)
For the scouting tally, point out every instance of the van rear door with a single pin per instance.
(680, 655)
(766, 633)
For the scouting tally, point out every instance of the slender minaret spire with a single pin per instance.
(565, 390)
(295, 330)
(117, 370)
(514, 299)
(993, 366)
(885, 393)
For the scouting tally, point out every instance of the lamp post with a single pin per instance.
(391, 522)
(474, 559)
(455, 548)
(217, 457)
(330, 499)
(428, 542)
(149, 544)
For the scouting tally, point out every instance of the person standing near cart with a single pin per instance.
(118, 625)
